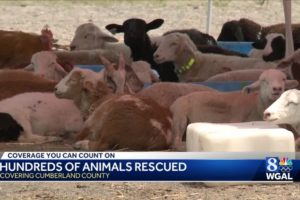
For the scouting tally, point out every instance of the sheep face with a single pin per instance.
(135, 30)
(271, 84)
(89, 36)
(171, 46)
(74, 83)
(285, 109)
(45, 65)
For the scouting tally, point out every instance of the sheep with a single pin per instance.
(166, 93)
(18, 47)
(89, 36)
(42, 116)
(291, 64)
(163, 93)
(109, 116)
(44, 64)
(269, 48)
(13, 82)
(237, 75)
(285, 110)
(88, 57)
(192, 65)
(196, 36)
(230, 107)
(136, 37)
(248, 30)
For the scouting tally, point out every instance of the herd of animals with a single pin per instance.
(147, 93)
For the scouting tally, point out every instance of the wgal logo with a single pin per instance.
(279, 169)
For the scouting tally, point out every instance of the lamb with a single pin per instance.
(89, 36)
(18, 47)
(230, 107)
(285, 110)
(248, 30)
(136, 37)
(109, 116)
(42, 116)
(192, 65)
(44, 64)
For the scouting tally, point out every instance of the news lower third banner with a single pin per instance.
(149, 166)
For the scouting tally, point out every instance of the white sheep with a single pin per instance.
(44, 64)
(89, 36)
(285, 110)
(219, 107)
(42, 116)
(191, 65)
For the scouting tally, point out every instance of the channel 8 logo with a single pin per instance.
(272, 164)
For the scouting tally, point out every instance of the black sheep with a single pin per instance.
(136, 37)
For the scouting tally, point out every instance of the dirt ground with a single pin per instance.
(64, 16)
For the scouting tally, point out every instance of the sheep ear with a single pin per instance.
(104, 61)
(108, 38)
(76, 75)
(60, 70)
(252, 87)
(88, 86)
(114, 28)
(29, 67)
(290, 84)
(154, 24)
(121, 62)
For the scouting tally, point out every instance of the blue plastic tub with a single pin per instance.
(242, 47)
(96, 68)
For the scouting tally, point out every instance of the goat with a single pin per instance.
(192, 65)
(219, 107)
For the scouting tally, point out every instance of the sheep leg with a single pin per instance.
(84, 133)
(91, 145)
(28, 136)
(179, 126)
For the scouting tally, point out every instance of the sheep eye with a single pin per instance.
(291, 102)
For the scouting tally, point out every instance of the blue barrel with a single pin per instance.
(95, 68)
